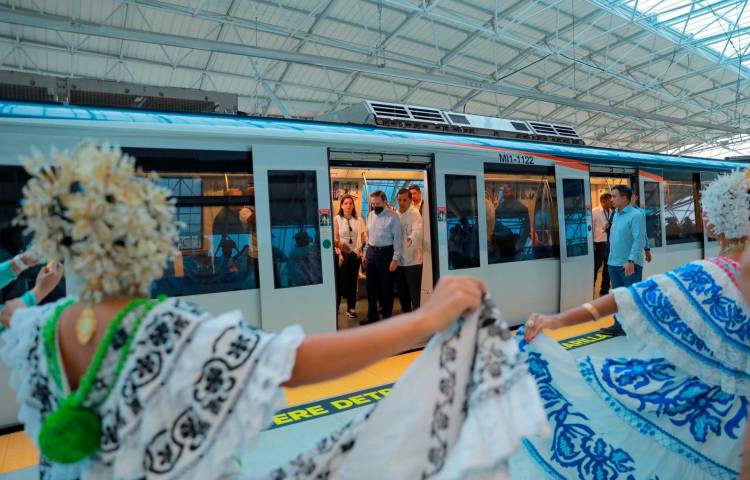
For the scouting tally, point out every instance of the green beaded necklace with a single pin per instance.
(73, 432)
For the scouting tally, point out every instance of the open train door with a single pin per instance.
(459, 202)
(710, 245)
(295, 248)
(576, 238)
(651, 203)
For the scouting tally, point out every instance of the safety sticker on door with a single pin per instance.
(440, 214)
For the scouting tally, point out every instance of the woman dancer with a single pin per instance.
(114, 385)
(682, 394)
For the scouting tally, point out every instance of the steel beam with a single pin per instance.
(51, 22)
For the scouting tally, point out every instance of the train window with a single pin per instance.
(574, 209)
(295, 234)
(215, 196)
(652, 206)
(462, 219)
(521, 209)
(680, 206)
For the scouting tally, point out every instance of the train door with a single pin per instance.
(576, 243)
(651, 202)
(294, 237)
(710, 245)
(459, 188)
(403, 179)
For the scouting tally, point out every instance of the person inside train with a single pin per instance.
(601, 218)
(227, 221)
(673, 228)
(489, 212)
(226, 231)
(512, 225)
(684, 391)
(382, 251)
(416, 198)
(409, 272)
(349, 238)
(247, 219)
(114, 384)
(302, 265)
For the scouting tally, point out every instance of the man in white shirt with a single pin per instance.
(602, 220)
(381, 256)
(416, 198)
(409, 273)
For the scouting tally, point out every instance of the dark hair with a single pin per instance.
(404, 191)
(341, 203)
(379, 193)
(624, 190)
(415, 187)
(605, 196)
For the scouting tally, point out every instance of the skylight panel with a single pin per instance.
(721, 26)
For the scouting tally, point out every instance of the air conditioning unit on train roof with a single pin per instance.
(427, 118)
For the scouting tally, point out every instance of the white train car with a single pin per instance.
(257, 198)
(513, 213)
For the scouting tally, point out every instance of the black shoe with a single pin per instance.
(614, 331)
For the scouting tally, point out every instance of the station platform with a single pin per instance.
(314, 410)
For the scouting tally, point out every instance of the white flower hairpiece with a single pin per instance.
(112, 226)
(727, 204)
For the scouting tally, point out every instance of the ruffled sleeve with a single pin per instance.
(36, 394)
(261, 397)
(695, 317)
(22, 352)
(195, 392)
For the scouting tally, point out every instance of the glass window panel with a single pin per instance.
(215, 196)
(462, 217)
(652, 205)
(574, 209)
(295, 235)
(680, 198)
(521, 214)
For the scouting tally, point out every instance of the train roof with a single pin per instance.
(609, 156)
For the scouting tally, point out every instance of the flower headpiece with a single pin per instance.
(727, 204)
(112, 226)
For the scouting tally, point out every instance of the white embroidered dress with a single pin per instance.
(675, 409)
(197, 390)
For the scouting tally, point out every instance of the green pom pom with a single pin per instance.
(70, 434)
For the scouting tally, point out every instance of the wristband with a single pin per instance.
(18, 262)
(592, 310)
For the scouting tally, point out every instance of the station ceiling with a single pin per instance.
(638, 74)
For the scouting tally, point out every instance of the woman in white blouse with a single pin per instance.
(349, 237)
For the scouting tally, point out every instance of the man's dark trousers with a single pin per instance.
(601, 255)
(379, 282)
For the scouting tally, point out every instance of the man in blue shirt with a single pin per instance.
(627, 238)
(383, 249)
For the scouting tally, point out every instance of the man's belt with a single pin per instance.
(380, 249)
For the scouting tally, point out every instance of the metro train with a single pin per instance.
(257, 196)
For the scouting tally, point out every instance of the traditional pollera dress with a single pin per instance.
(676, 409)
(196, 390)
